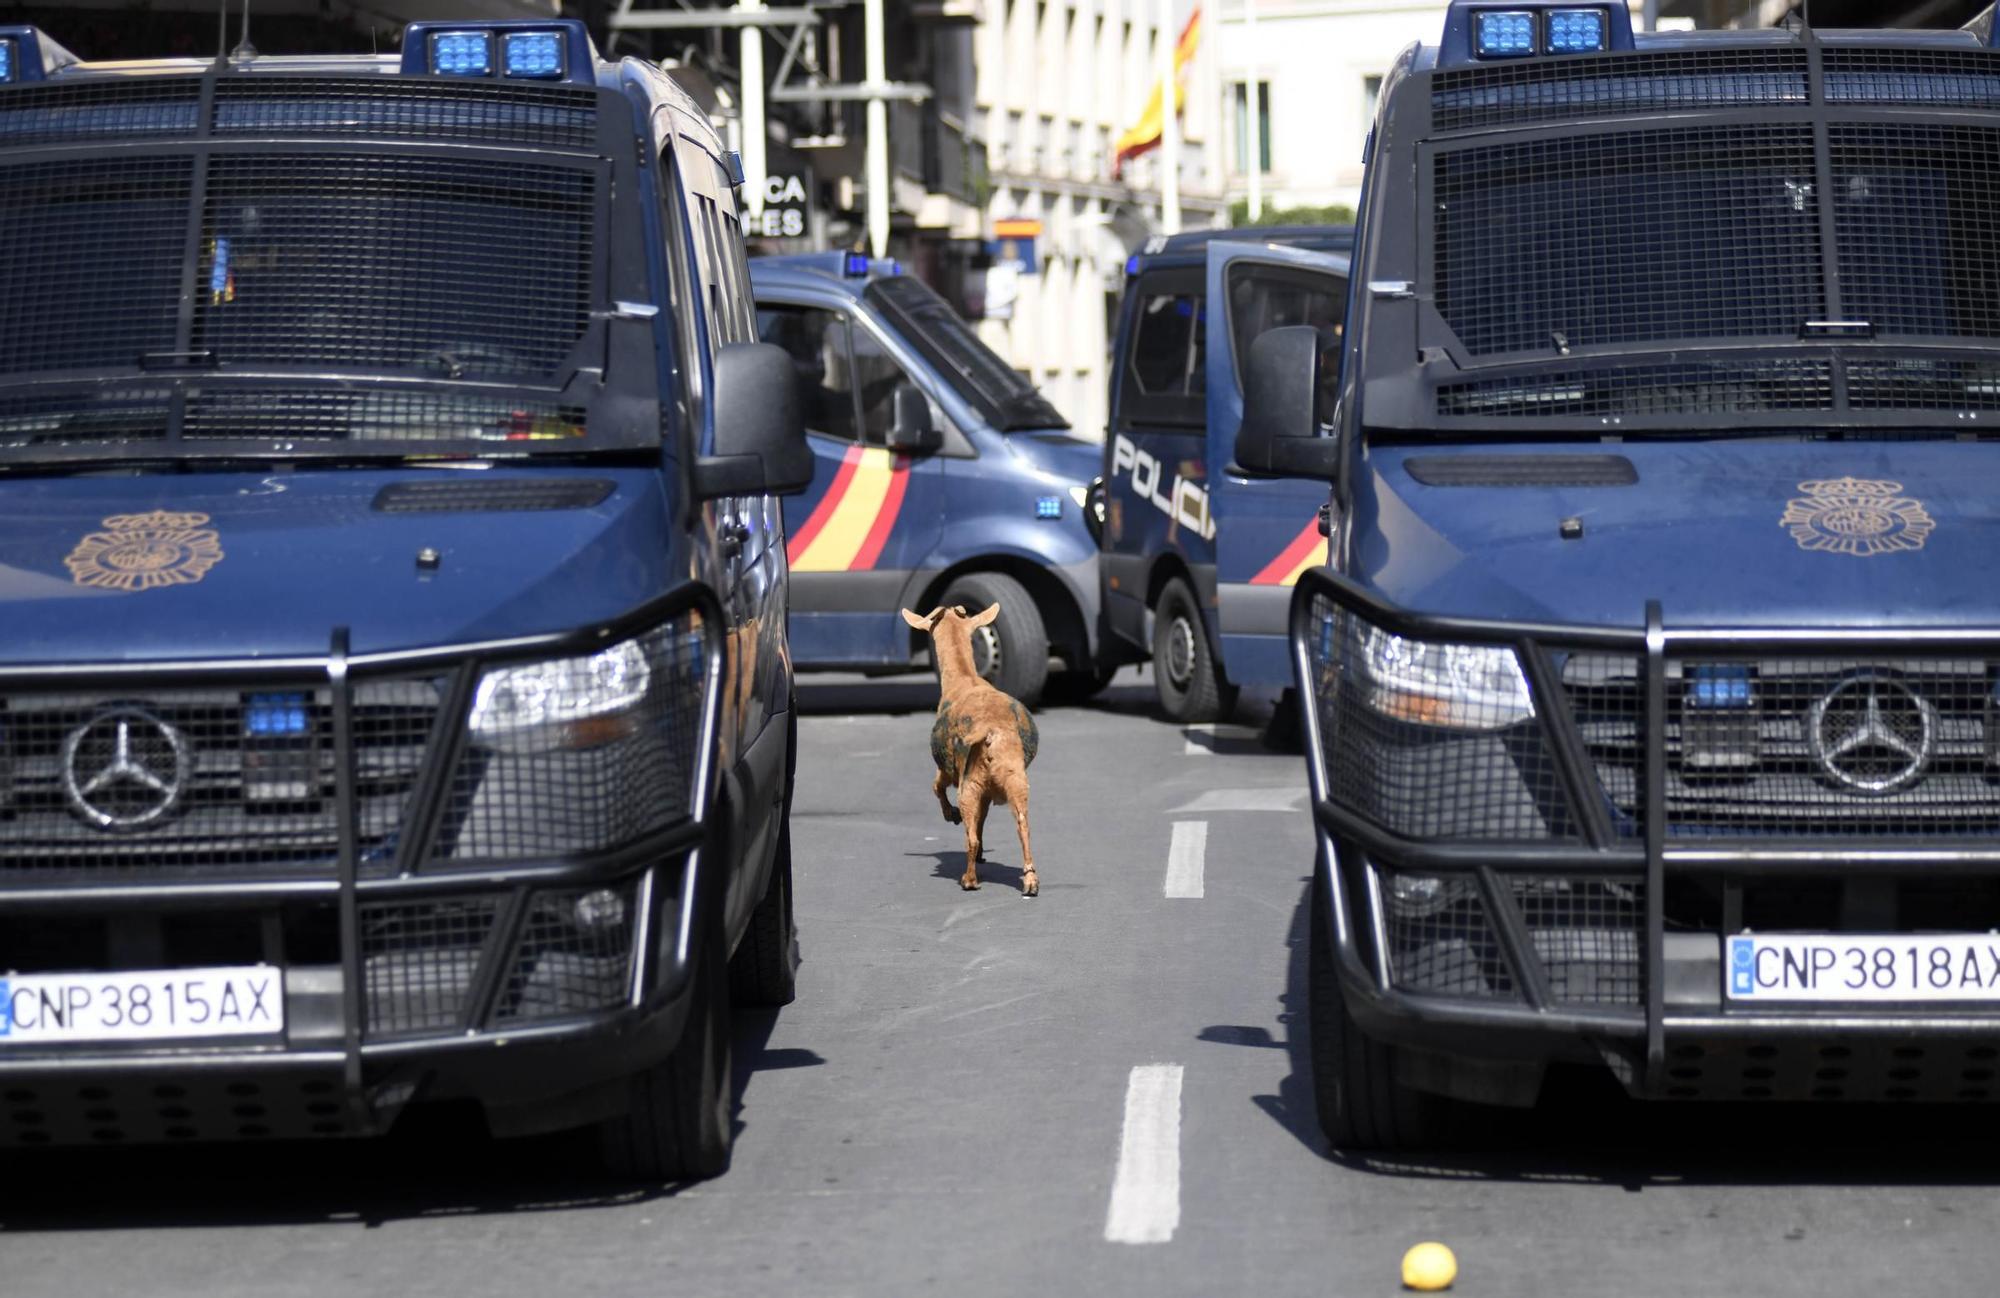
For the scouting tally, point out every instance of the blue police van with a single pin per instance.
(394, 697)
(1653, 687)
(1199, 559)
(941, 477)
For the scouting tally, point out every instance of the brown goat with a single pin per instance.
(982, 740)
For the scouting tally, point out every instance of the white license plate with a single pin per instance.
(1862, 967)
(54, 1009)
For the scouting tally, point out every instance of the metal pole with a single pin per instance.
(1254, 132)
(1650, 18)
(875, 68)
(755, 134)
(1170, 125)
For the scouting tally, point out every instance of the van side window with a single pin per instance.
(1164, 379)
(1265, 297)
(876, 377)
(822, 361)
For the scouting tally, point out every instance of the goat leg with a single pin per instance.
(1016, 788)
(972, 806)
(940, 786)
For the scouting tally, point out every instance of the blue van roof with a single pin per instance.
(1191, 246)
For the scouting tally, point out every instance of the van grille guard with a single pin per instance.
(1525, 791)
(487, 836)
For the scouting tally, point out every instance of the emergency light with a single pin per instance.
(27, 55)
(555, 50)
(1476, 32)
(1719, 686)
(856, 263)
(265, 715)
(462, 54)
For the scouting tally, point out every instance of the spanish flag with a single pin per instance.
(1145, 134)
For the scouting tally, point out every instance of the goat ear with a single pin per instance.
(917, 620)
(981, 619)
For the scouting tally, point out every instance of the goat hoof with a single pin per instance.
(969, 883)
(951, 817)
(1031, 887)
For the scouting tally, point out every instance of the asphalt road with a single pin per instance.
(981, 1094)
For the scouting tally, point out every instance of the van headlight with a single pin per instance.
(563, 702)
(1457, 686)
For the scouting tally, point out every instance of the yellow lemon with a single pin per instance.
(1429, 1267)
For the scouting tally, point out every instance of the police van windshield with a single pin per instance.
(178, 287)
(1001, 395)
(1738, 248)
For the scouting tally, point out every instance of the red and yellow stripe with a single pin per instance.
(848, 528)
(1307, 550)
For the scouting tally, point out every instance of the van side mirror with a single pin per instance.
(1279, 436)
(912, 430)
(760, 433)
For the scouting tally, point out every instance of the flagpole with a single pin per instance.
(1170, 124)
(1254, 131)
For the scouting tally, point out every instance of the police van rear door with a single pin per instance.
(1266, 530)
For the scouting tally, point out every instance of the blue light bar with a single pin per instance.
(9, 61)
(1504, 34)
(462, 54)
(270, 715)
(1132, 264)
(1048, 506)
(534, 54)
(856, 263)
(1577, 31)
(1720, 686)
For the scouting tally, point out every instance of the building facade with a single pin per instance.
(1056, 83)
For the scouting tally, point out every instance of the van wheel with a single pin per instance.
(678, 1127)
(1361, 1104)
(764, 970)
(1184, 674)
(1011, 652)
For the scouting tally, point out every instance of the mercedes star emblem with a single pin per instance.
(1872, 733)
(125, 768)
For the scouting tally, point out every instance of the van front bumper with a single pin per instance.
(1556, 882)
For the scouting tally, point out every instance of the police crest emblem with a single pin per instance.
(138, 552)
(1857, 516)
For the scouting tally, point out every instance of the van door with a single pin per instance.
(872, 516)
(1267, 530)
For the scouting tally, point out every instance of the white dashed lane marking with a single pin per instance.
(1185, 856)
(1146, 1193)
(1202, 739)
(1287, 799)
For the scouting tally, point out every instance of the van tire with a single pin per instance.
(1185, 679)
(680, 1120)
(1019, 639)
(764, 970)
(1360, 1103)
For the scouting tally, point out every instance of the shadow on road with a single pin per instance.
(1586, 1129)
(950, 865)
(438, 1162)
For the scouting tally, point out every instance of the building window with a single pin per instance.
(1371, 97)
(1240, 98)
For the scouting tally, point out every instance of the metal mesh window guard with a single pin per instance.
(574, 955)
(1917, 214)
(450, 267)
(200, 780)
(418, 961)
(1763, 383)
(1429, 740)
(1439, 937)
(1631, 236)
(92, 272)
(372, 414)
(1514, 94)
(579, 756)
(152, 107)
(1586, 934)
(549, 116)
(1607, 704)
(1928, 78)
